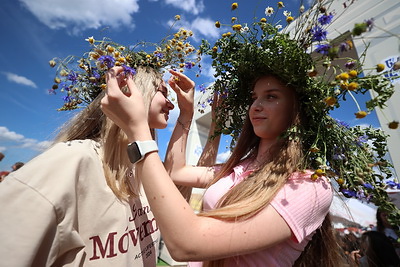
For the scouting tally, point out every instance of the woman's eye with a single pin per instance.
(271, 96)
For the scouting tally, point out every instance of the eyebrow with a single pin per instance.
(267, 91)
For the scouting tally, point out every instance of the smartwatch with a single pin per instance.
(137, 150)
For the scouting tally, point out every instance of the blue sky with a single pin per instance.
(33, 32)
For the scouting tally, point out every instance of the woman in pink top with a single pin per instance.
(268, 204)
(282, 208)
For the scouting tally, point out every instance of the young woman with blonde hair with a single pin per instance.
(80, 202)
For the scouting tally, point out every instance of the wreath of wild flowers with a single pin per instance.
(83, 78)
(354, 157)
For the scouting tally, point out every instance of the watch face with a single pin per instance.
(134, 152)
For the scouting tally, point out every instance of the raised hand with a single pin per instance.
(184, 89)
(126, 109)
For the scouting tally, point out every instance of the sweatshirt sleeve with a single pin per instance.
(28, 225)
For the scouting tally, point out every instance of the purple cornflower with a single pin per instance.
(128, 71)
(51, 92)
(73, 77)
(109, 61)
(325, 19)
(343, 47)
(322, 48)
(318, 33)
(370, 23)
(350, 64)
(391, 183)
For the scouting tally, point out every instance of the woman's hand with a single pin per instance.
(184, 89)
(126, 109)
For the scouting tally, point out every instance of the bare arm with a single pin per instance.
(188, 237)
(175, 160)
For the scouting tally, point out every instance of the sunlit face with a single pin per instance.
(159, 108)
(272, 109)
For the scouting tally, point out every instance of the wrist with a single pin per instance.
(139, 133)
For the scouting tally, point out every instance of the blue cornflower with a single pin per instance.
(109, 61)
(339, 156)
(348, 193)
(318, 33)
(342, 123)
(188, 65)
(369, 186)
(322, 48)
(128, 71)
(370, 24)
(362, 139)
(95, 73)
(51, 92)
(360, 194)
(350, 64)
(202, 88)
(159, 55)
(391, 183)
(325, 19)
(67, 98)
(343, 47)
(73, 77)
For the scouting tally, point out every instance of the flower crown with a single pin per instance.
(83, 78)
(352, 157)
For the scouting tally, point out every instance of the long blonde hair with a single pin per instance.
(256, 191)
(91, 123)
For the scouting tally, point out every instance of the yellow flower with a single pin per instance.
(330, 101)
(148, 56)
(227, 34)
(57, 80)
(263, 20)
(63, 73)
(353, 73)
(344, 76)
(340, 181)
(314, 149)
(352, 86)
(344, 85)
(237, 27)
(350, 44)
(314, 176)
(177, 17)
(103, 86)
(393, 125)
(360, 114)
(215, 49)
(90, 39)
(320, 172)
(380, 67)
(52, 63)
(217, 24)
(280, 5)
(233, 19)
(110, 49)
(234, 6)
(289, 19)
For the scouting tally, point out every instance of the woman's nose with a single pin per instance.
(256, 105)
(169, 104)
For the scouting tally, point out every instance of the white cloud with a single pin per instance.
(190, 6)
(78, 15)
(223, 157)
(18, 140)
(12, 77)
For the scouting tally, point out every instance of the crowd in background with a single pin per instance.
(14, 167)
